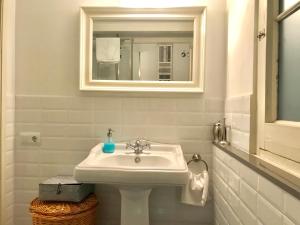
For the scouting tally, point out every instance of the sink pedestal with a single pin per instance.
(134, 205)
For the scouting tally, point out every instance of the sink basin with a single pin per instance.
(135, 175)
(162, 165)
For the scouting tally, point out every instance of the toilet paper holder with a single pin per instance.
(197, 158)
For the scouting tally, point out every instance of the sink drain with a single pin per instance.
(137, 159)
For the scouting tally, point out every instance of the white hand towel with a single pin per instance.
(108, 50)
(196, 190)
(205, 187)
(197, 182)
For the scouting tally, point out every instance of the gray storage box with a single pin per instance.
(64, 188)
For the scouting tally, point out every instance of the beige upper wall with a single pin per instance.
(240, 52)
(7, 113)
(47, 45)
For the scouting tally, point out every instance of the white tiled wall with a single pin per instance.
(237, 114)
(243, 196)
(9, 159)
(71, 126)
(70, 121)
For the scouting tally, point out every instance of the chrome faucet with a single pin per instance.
(138, 146)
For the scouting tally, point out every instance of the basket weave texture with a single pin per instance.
(64, 213)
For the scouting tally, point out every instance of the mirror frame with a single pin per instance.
(88, 13)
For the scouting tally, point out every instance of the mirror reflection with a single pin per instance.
(142, 50)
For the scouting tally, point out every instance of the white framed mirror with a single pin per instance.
(142, 50)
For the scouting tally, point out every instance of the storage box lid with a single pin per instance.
(62, 208)
(61, 180)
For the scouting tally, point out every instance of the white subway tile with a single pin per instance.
(245, 104)
(233, 181)
(80, 131)
(28, 116)
(55, 102)
(220, 154)
(267, 213)
(10, 116)
(234, 104)
(81, 103)
(22, 210)
(189, 119)
(209, 119)
(55, 116)
(249, 196)
(191, 146)
(9, 143)
(48, 170)
(270, 192)
(221, 170)
(10, 101)
(108, 117)
(214, 105)
(136, 104)
(249, 176)
(220, 185)
(286, 221)
(246, 216)
(162, 104)
(23, 220)
(194, 133)
(228, 118)
(28, 102)
(25, 197)
(54, 130)
(9, 215)
(240, 140)
(82, 144)
(291, 208)
(9, 171)
(227, 211)
(27, 183)
(219, 217)
(61, 157)
(189, 105)
(233, 200)
(27, 156)
(27, 170)
(135, 118)
(55, 143)
(233, 164)
(23, 127)
(9, 184)
(10, 130)
(159, 132)
(162, 118)
(9, 157)
(81, 117)
(108, 104)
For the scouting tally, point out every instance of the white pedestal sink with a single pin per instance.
(134, 175)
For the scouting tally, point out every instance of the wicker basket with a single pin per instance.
(64, 213)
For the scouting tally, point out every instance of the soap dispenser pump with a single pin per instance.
(109, 145)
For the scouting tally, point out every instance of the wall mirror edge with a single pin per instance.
(195, 85)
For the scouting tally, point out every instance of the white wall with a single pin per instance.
(242, 196)
(240, 47)
(49, 101)
(240, 69)
(8, 113)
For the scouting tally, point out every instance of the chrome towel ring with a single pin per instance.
(197, 158)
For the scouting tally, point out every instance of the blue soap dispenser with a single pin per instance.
(109, 145)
